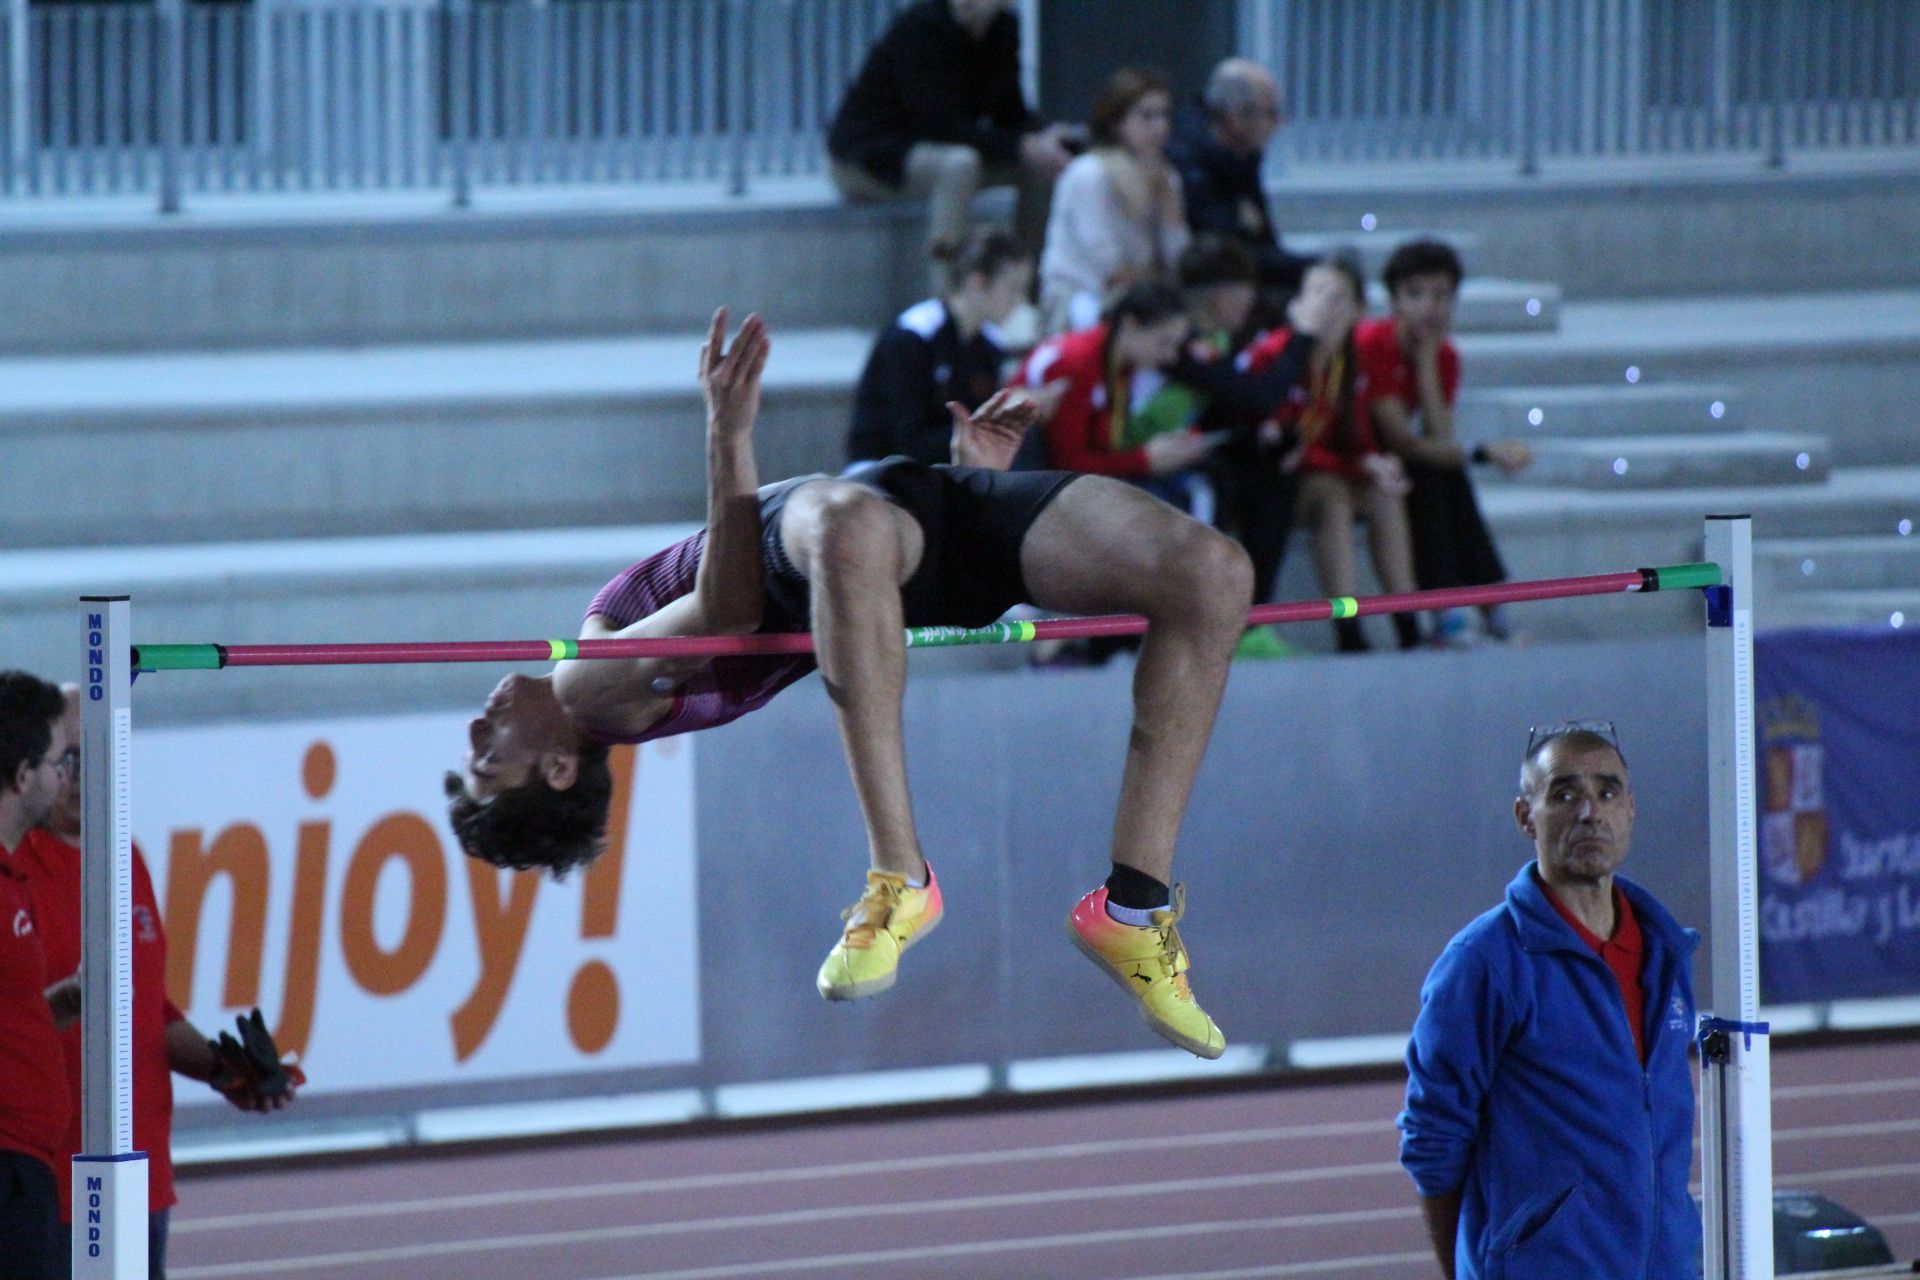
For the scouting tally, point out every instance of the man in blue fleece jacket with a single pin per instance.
(1549, 1119)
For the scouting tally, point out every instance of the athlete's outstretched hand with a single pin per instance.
(990, 436)
(730, 376)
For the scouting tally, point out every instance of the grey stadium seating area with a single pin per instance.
(303, 422)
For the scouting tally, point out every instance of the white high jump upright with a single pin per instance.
(109, 1176)
(1736, 1121)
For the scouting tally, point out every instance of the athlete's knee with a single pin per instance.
(1210, 577)
(854, 530)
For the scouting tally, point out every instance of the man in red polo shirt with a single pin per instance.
(34, 754)
(163, 1040)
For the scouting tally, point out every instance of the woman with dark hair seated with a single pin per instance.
(1099, 379)
(1117, 217)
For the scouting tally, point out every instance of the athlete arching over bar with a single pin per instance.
(857, 559)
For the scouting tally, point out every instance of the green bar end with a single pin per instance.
(1682, 577)
(177, 657)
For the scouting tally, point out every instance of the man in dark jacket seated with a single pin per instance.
(1218, 146)
(937, 111)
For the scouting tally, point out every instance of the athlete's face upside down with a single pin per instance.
(534, 793)
(521, 733)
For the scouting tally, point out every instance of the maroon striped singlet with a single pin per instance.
(726, 688)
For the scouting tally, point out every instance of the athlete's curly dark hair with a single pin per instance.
(535, 826)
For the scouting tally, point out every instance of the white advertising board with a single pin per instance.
(308, 867)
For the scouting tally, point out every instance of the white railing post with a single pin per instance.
(172, 98)
(19, 140)
(109, 1177)
(1735, 1116)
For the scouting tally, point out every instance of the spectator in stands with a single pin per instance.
(1549, 1116)
(1109, 372)
(164, 1040)
(35, 753)
(936, 111)
(1344, 474)
(1413, 368)
(940, 351)
(1253, 488)
(1218, 147)
(1118, 217)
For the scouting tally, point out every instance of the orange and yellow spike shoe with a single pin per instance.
(890, 917)
(1150, 964)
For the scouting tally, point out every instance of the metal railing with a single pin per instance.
(1367, 81)
(171, 98)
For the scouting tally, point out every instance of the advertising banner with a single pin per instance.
(308, 868)
(1838, 718)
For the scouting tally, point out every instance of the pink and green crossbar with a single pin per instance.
(209, 657)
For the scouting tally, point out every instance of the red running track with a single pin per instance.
(1270, 1182)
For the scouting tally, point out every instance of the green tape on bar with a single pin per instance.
(176, 657)
(1345, 607)
(560, 650)
(943, 637)
(1680, 577)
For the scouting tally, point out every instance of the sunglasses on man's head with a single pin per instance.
(1540, 735)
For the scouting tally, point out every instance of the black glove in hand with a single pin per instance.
(250, 1072)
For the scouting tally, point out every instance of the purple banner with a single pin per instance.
(1838, 723)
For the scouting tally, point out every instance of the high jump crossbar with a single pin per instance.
(208, 657)
(1735, 1114)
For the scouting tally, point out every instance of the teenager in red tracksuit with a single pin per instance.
(1413, 370)
(1095, 378)
(1345, 476)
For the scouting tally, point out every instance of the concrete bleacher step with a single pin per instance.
(1841, 363)
(1892, 607)
(1648, 462)
(406, 439)
(1549, 532)
(1838, 564)
(1494, 306)
(1604, 409)
(328, 442)
(1373, 248)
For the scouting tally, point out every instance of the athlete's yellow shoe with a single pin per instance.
(1150, 964)
(890, 917)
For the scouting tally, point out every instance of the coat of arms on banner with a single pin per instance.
(1793, 815)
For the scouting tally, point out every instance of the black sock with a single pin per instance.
(1136, 890)
(1348, 637)
(1407, 627)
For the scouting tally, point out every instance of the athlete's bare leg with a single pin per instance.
(856, 549)
(1103, 546)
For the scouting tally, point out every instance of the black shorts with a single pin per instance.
(973, 521)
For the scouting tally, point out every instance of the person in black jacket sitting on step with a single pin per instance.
(939, 352)
(937, 111)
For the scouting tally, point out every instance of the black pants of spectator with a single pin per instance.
(31, 1240)
(1255, 503)
(1451, 545)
